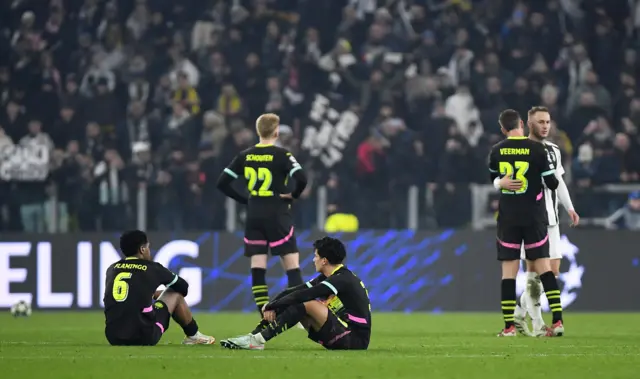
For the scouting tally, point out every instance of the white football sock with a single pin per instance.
(532, 294)
(259, 338)
(521, 308)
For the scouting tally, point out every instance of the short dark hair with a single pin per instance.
(537, 109)
(509, 119)
(331, 248)
(132, 241)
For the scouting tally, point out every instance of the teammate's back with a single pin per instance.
(524, 160)
(269, 222)
(267, 169)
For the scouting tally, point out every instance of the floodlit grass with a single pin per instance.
(72, 345)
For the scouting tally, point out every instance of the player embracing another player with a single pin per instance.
(269, 225)
(522, 217)
(539, 123)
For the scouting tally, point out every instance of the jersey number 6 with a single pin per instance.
(262, 174)
(120, 287)
(521, 168)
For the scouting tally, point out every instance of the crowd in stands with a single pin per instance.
(102, 100)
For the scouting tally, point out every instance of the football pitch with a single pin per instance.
(72, 345)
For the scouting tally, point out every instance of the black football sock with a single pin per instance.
(260, 327)
(294, 277)
(508, 301)
(551, 289)
(284, 321)
(190, 329)
(259, 287)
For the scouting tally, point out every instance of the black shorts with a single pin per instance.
(335, 335)
(275, 233)
(510, 239)
(155, 323)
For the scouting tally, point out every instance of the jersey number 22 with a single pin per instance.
(262, 174)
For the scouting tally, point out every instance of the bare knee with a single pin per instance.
(510, 269)
(172, 300)
(317, 313)
(290, 261)
(259, 261)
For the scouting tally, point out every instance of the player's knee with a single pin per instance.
(259, 261)
(291, 261)
(510, 269)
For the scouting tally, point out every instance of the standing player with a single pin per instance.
(131, 318)
(522, 216)
(539, 122)
(269, 224)
(342, 321)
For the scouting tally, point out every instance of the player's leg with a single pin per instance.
(282, 242)
(520, 313)
(530, 304)
(256, 248)
(509, 240)
(285, 320)
(555, 254)
(538, 252)
(177, 307)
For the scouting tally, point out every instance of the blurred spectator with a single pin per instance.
(159, 96)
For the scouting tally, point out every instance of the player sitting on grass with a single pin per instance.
(340, 322)
(131, 285)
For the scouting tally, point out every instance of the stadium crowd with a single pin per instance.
(120, 96)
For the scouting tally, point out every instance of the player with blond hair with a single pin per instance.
(539, 123)
(269, 224)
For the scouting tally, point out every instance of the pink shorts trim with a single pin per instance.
(159, 325)
(509, 245)
(537, 244)
(255, 242)
(282, 241)
(359, 320)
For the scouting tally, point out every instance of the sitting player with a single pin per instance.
(341, 322)
(131, 283)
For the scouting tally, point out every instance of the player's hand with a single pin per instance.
(575, 218)
(509, 184)
(286, 196)
(269, 316)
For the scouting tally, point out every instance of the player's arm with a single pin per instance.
(563, 191)
(228, 175)
(325, 288)
(296, 172)
(494, 172)
(547, 168)
(300, 287)
(171, 280)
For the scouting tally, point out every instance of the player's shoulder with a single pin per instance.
(550, 145)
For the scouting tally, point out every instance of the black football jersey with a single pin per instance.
(528, 161)
(267, 169)
(130, 285)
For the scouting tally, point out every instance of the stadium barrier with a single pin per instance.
(404, 270)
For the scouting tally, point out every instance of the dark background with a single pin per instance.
(403, 270)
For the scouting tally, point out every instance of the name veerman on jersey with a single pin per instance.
(551, 197)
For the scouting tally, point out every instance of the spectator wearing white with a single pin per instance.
(96, 72)
(461, 108)
(30, 174)
(139, 20)
(184, 65)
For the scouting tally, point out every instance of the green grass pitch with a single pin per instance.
(72, 345)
